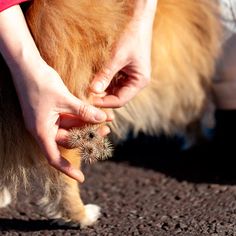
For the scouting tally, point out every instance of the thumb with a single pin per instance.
(85, 111)
(103, 78)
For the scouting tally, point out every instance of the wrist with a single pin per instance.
(144, 8)
(27, 76)
(24, 59)
(20, 51)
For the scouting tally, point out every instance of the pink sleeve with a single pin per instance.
(4, 4)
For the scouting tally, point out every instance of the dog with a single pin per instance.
(80, 36)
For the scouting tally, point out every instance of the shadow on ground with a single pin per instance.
(30, 225)
(213, 161)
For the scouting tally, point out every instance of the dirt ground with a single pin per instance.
(151, 187)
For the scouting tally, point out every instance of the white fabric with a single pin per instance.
(228, 16)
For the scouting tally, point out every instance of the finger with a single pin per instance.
(110, 115)
(57, 161)
(103, 78)
(68, 121)
(85, 111)
(103, 130)
(122, 97)
(109, 112)
(62, 138)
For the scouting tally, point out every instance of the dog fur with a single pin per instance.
(76, 38)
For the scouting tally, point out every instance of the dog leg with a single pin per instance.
(74, 209)
(5, 197)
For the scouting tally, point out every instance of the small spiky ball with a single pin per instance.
(92, 147)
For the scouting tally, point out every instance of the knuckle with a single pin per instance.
(85, 111)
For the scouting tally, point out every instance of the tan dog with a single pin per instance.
(76, 37)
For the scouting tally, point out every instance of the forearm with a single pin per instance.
(20, 52)
(16, 43)
(144, 7)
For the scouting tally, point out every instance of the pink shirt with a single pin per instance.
(4, 4)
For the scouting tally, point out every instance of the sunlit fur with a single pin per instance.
(76, 37)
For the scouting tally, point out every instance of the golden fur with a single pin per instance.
(76, 37)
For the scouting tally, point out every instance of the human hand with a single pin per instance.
(49, 109)
(131, 55)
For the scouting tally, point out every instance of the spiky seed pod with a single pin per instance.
(89, 152)
(106, 150)
(91, 146)
(74, 138)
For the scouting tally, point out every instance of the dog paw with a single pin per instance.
(5, 197)
(92, 213)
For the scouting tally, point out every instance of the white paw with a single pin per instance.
(5, 197)
(92, 213)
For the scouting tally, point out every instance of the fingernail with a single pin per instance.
(100, 116)
(98, 87)
(79, 176)
(107, 130)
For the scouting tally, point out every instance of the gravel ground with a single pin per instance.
(150, 187)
